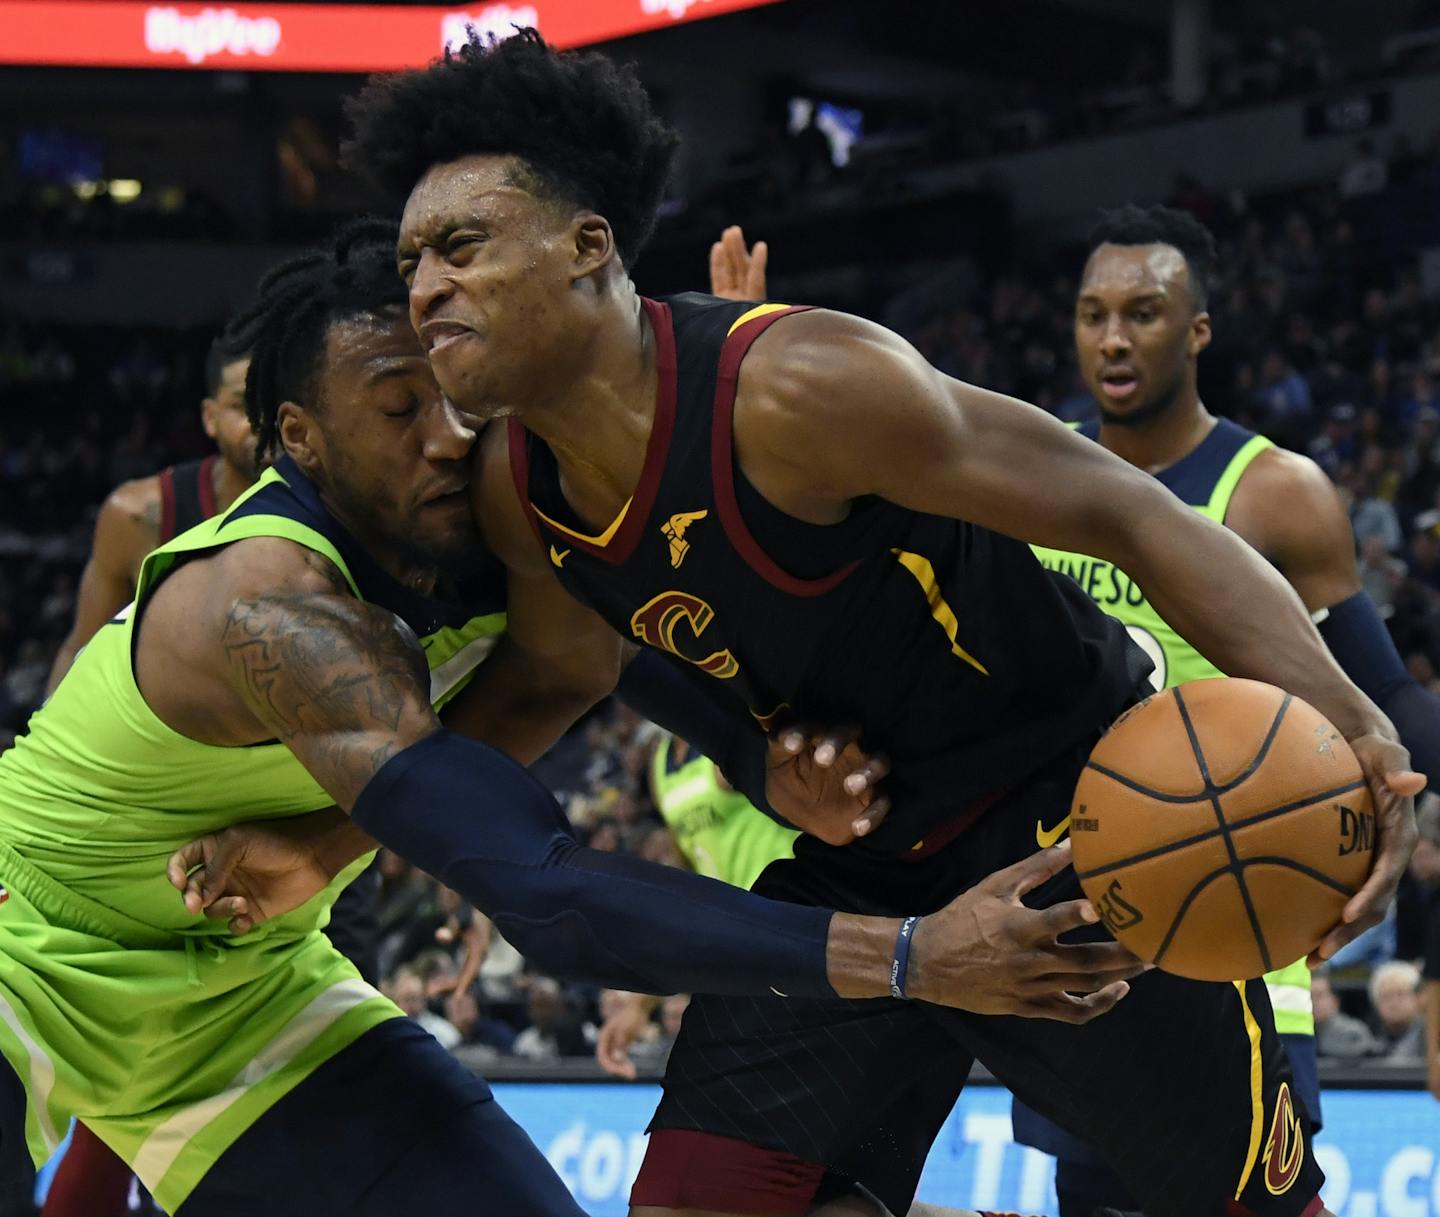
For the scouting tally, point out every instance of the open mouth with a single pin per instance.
(1118, 384)
(440, 334)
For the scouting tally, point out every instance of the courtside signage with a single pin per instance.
(307, 37)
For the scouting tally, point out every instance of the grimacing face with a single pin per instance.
(1136, 329)
(225, 421)
(491, 268)
(392, 451)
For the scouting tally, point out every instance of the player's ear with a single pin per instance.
(594, 244)
(299, 435)
(1199, 333)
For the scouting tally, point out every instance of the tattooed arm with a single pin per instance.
(264, 640)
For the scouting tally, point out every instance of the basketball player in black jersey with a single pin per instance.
(806, 517)
(146, 512)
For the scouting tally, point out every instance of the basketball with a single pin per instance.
(1220, 827)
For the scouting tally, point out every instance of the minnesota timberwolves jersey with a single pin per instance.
(1205, 478)
(966, 662)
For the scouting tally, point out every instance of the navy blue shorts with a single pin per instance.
(17, 1172)
(391, 1125)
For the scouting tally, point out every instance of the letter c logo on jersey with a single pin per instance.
(656, 622)
(1285, 1149)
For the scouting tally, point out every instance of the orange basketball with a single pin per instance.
(1220, 827)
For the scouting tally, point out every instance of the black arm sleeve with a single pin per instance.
(479, 823)
(1362, 646)
(651, 686)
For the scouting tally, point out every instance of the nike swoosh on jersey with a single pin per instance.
(558, 556)
(1046, 837)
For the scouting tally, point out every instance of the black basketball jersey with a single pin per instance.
(187, 496)
(959, 655)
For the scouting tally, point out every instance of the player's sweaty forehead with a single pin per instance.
(469, 193)
(1124, 272)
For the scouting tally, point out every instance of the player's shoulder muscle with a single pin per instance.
(1286, 507)
(128, 526)
(818, 375)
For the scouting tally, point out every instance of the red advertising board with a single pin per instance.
(307, 37)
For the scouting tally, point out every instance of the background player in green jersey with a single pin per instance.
(1141, 324)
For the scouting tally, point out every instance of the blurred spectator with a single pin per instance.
(1398, 1027)
(478, 1028)
(407, 990)
(1425, 869)
(1334, 448)
(1282, 400)
(1365, 172)
(554, 1029)
(1372, 515)
(1337, 1035)
(651, 1054)
(1381, 574)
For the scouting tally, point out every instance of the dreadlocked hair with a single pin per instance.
(1156, 225)
(285, 324)
(582, 126)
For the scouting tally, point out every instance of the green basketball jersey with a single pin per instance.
(162, 1031)
(1206, 479)
(718, 830)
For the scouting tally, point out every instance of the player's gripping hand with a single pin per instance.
(735, 272)
(1393, 788)
(249, 873)
(825, 783)
(985, 951)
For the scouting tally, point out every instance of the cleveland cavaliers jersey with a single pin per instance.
(187, 496)
(964, 660)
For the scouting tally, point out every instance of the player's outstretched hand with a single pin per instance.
(1393, 788)
(249, 873)
(627, 1023)
(986, 951)
(735, 272)
(826, 784)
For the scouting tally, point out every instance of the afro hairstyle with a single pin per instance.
(582, 125)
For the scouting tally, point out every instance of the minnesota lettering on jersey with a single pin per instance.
(1103, 582)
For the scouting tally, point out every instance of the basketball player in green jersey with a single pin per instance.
(1140, 326)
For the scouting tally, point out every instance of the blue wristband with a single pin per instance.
(901, 962)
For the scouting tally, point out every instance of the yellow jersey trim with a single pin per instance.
(1219, 501)
(924, 574)
(760, 310)
(602, 540)
(1257, 1091)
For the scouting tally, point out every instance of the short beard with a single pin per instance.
(1147, 413)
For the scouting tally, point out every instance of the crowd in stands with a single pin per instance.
(1327, 338)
